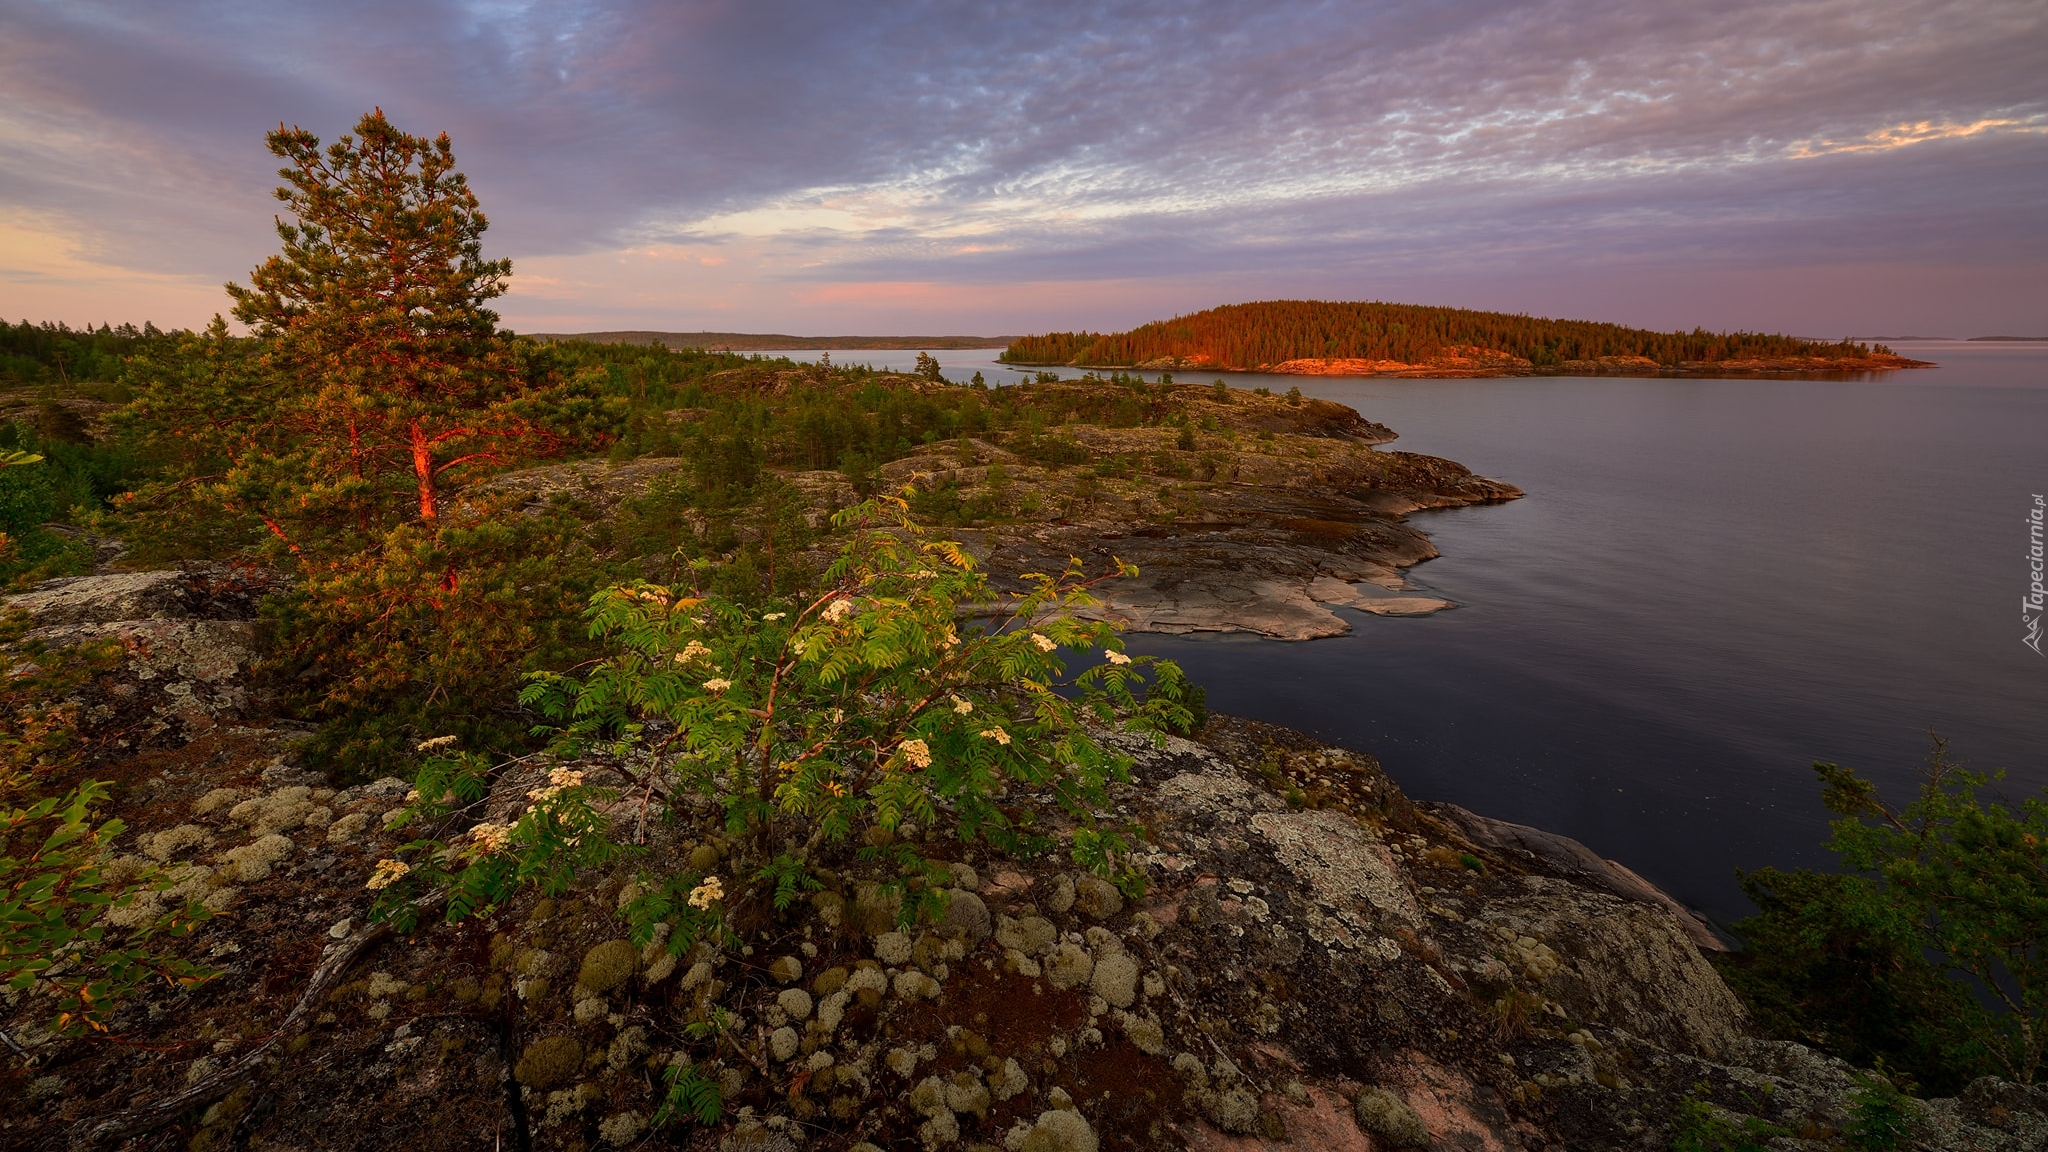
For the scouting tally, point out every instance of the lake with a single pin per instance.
(1710, 584)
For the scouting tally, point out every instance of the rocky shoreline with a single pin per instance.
(1264, 516)
(1316, 960)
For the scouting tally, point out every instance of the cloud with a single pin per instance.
(775, 163)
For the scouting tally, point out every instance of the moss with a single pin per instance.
(622, 1129)
(548, 1062)
(1147, 1035)
(1097, 898)
(1382, 1112)
(893, 949)
(966, 1093)
(829, 981)
(608, 965)
(1060, 1131)
(1234, 1110)
(1062, 896)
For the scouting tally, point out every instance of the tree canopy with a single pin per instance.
(377, 302)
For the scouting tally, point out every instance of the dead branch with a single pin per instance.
(134, 1120)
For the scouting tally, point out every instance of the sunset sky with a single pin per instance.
(1830, 168)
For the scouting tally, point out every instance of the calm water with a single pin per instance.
(1710, 584)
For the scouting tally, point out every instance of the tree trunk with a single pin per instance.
(423, 468)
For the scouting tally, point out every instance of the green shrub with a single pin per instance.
(28, 499)
(427, 634)
(72, 931)
(820, 724)
(1698, 1126)
(1881, 1114)
(1818, 969)
(1947, 885)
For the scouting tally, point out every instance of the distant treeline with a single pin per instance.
(43, 353)
(775, 342)
(1249, 336)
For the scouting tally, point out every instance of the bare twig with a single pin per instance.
(325, 977)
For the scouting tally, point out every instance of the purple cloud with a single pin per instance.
(1719, 163)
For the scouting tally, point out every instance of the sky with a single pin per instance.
(1820, 167)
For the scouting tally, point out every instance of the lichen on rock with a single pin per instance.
(1057, 1130)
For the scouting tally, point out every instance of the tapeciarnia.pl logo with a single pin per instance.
(2037, 597)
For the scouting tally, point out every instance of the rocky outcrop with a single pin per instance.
(192, 594)
(1549, 854)
(186, 637)
(1266, 514)
(1313, 959)
(600, 484)
(1457, 362)
(1285, 512)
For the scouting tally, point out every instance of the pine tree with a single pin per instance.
(375, 311)
(376, 386)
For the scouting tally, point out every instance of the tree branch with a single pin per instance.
(325, 977)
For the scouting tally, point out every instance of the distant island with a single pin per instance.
(776, 342)
(1322, 338)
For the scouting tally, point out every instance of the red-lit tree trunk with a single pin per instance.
(423, 471)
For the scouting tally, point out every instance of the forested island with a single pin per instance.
(777, 342)
(1323, 338)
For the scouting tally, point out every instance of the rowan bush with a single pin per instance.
(898, 691)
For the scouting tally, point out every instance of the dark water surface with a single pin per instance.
(1710, 584)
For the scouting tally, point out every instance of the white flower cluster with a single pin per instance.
(916, 753)
(962, 705)
(717, 684)
(430, 745)
(692, 651)
(388, 872)
(1043, 642)
(490, 839)
(997, 735)
(710, 892)
(839, 609)
(1115, 657)
(558, 779)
